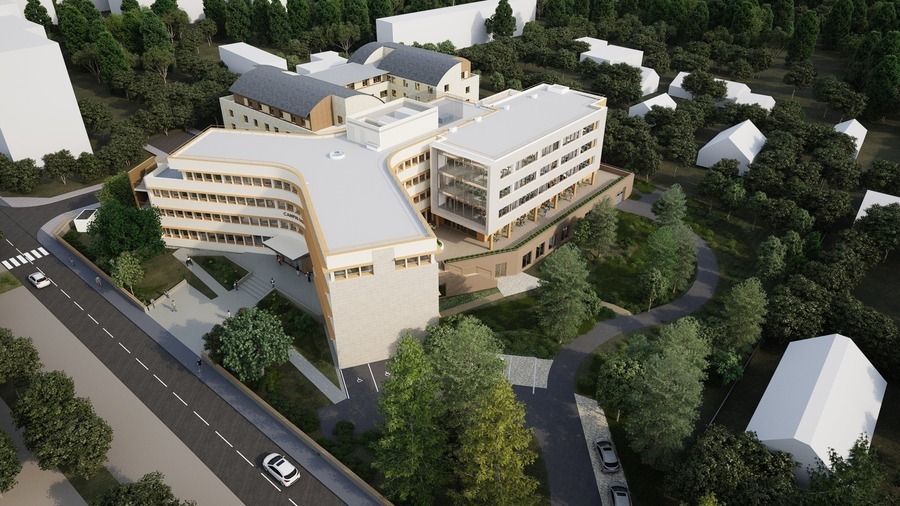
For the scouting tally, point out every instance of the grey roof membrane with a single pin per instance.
(286, 90)
(408, 62)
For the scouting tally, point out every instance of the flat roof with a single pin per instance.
(356, 200)
(17, 33)
(520, 120)
(254, 53)
(346, 73)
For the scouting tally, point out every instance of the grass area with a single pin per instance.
(221, 269)
(90, 489)
(85, 85)
(162, 272)
(615, 277)
(643, 186)
(8, 282)
(354, 451)
(446, 303)
(289, 392)
(50, 188)
(309, 335)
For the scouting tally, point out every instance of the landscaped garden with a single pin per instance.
(223, 270)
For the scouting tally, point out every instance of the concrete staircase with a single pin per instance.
(255, 286)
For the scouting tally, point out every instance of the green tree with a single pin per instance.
(672, 251)
(620, 83)
(21, 176)
(150, 489)
(883, 176)
(797, 310)
(96, 115)
(238, 20)
(326, 13)
(653, 283)
(855, 480)
(119, 228)
(882, 225)
(159, 60)
(494, 450)
(702, 83)
(59, 428)
(783, 15)
(125, 146)
(837, 23)
(466, 357)
(668, 393)
(411, 453)
(737, 468)
(217, 11)
(596, 232)
(343, 35)
(743, 313)
(59, 165)
(128, 5)
(160, 7)
(153, 31)
(356, 12)
(37, 13)
(298, 17)
(19, 359)
(117, 188)
(127, 270)
(557, 13)
(90, 167)
(803, 40)
(629, 144)
(671, 206)
(801, 76)
(247, 343)
(88, 59)
(73, 26)
(502, 23)
(566, 299)
(381, 9)
(279, 27)
(615, 382)
(883, 87)
(112, 59)
(259, 21)
(770, 259)
(10, 466)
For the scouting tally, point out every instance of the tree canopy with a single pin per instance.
(150, 489)
(248, 342)
(566, 299)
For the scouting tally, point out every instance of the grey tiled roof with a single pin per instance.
(285, 90)
(413, 63)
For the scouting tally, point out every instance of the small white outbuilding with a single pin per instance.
(873, 198)
(767, 102)
(676, 87)
(241, 57)
(854, 129)
(649, 81)
(824, 394)
(644, 107)
(742, 142)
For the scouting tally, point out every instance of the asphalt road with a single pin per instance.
(229, 445)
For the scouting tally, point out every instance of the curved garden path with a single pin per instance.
(552, 412)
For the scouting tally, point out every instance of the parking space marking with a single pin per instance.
(223, 439)
(11, 244)
(373, 377)
(142, 364)
(270, 482)
(292, 501)
(200, 417)
(245, 458)
(42, 250)
(344, 382)
(157, 377)
(129, 352)
(179, 398)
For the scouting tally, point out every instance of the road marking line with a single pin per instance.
(534, 376)
(129, 352)
(21, 259)
(223, 439)
(92, 318)
(142, 364)
(13, 260)
(155, 376)
(7, 265)
(270, 482)
(292, 501)
(107, 333)
(42, 250)
(67, 295)
(179, 398)
(344, 382)
(200, 417)
(11, 244)
(373, 377)
(79, 305)
(245, 458)
(36, 253)
(28, 257)
(51, 281)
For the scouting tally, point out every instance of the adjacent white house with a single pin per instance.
(649, 81)
(241, 57)
(742, 142)
(824, 395)
(602, 51)
(767, 102)
(735, 92)
(39, 114)
(873, 198)
(463, 25)
(676, 87)
(644, 107)
(854, 129)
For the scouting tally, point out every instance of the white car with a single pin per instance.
(281, 469)
(39, 280)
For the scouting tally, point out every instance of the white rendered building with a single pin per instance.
(320, 61)
(874, 198)
(767, 102)
(824, 395)
(602, 51)
(742, 142)
(241, 57)
(854, 129)
(676, 87)
(641, 109)
(463, 25)
(40, 114)
(649, 81)
(735, 92)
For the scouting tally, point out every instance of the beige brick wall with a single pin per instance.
(372, 312)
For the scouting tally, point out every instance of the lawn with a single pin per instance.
(291, 394)
(223, 270)
(50, 188)
(8, 282)
(615, 277)
(164, 271)
(309, 335)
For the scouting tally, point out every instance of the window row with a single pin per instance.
(421, 178)
(197, 235)
(525, 180)
(568, 156)
(571, 137)
(425, 195)
(527, 160)
(240, 180)
(230, 218)
(546, 186)
(588, 129)
(226, 199)
(409, 162)
(414, 261)
(549, 149)
(353, 272)
(272, 111)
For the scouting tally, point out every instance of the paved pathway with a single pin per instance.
(595, 426)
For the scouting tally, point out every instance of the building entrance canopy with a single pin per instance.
(291, 248)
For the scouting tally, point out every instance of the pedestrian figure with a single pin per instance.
(98, 281)
(298, 271)
(228, 314)
(174, 307)
(199, 365)
(189, 262)
(309, 277)
(235, 286)
(278, 259)
(72, 260)
(273, 282)
(166, 292)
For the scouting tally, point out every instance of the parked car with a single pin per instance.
(609, 460)
(619, 494)
(39, 280)
(281, 469)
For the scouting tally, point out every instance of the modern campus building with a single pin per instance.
(357, 201)
(39, 113)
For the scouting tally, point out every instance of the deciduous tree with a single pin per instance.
(127, 270)
(19, 359)
(566, 299)
(247, 343)
(882, 87)
(159, 60)
(803, 40)
(671, 207)
(60, 164)
(119, 228)
(615, 382)
(801, 76)
(855, 480)
(743, 313)
(21, 176)
(9, 462)
(796, 310)
(596, 232)
(150, 489)
(703, 83)
(343, 35)
(96, 115)
(882, 225)
(502, 23)
(837, 23)
(883, 176)
(770, 259)
(37, 13)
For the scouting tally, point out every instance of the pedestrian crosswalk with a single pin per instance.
(25, 258)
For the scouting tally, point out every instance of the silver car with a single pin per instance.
(609, 460)
(619, 494)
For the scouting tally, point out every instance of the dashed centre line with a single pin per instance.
(223, 439)
(159, 380)
(107, 333)
(179, 398)
(292, 501)
(92, 318)
(270, 482)
(129, 352)
(201, 418)
(64, 293)
(142, 364)
(245, 458)
(79, 305)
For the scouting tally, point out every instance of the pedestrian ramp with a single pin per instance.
(25, 258)
(527, 371)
